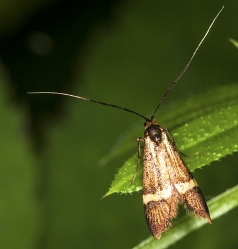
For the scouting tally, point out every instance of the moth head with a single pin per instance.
(154, 132)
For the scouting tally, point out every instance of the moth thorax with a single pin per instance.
(154, 132)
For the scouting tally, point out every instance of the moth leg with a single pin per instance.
(138, 157)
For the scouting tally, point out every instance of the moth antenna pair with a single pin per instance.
(162, 99)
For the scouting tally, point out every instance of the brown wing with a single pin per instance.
(159, 196)
(166, 183)
(190, 195)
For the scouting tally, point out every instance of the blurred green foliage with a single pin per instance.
(126, 53)
(19, 204)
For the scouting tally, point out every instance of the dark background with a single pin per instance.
(121, 52)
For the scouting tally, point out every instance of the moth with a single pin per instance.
(166, 181)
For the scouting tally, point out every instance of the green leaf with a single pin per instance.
(218, 206)
(204, 128)
(234, 42)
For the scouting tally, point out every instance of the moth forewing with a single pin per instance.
(167, 182)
